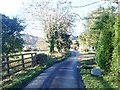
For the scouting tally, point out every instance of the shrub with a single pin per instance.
(104, 51)
(104, 47)
(116, 43)
(41, 58)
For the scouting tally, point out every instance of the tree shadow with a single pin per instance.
(106, 85)
(104, 82)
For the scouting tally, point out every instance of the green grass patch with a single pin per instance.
(22, 78)
(88, 61)
(105, 81)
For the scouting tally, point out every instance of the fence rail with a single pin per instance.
(10, 67)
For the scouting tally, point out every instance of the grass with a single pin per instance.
(104, 81)
(20, 79)
(17, 63)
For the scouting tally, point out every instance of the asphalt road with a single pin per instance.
(62, 75)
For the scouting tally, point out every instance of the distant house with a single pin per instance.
(86, 48)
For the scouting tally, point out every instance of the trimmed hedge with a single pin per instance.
(116, 53)
(104, 46)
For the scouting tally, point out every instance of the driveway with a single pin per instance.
(61, 75)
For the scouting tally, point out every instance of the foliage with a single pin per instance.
(56, 22)
(99, 34)
(41, 58)
(58, 35)
(116, 42)
(104, 51)
(86, 39)
(93, 27)
(102, 82)
(102, 32)
(75, 44)
(11, 38)
(20, 80)
(91, 34)
(104, 46)
(63, 42)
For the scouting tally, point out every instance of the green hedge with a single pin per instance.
(104, 51)
(104, 46)
(116, 53)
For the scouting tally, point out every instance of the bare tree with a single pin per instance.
(52, 16)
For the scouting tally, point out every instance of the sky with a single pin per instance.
(13, 8)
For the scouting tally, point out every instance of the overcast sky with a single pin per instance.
(13, 8)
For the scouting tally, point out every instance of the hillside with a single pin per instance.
(34, 42)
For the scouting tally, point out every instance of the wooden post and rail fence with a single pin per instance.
(9, 67)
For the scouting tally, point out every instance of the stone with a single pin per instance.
(96, 71)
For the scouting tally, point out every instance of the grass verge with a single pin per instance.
(21, 79)
(105, 81)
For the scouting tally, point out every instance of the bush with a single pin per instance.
(104, 51)
(104, 47)
(116, 43)
(41, 58)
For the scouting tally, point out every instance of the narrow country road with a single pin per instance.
(61, 75)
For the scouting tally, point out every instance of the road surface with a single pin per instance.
(62, 75)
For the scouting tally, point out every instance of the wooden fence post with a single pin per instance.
(23, 66)
(32, 59)
(35, 58)
(7, 66)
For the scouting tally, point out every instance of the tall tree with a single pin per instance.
(11, 37)
(104, 47)
(53, 18)
(99, 33)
